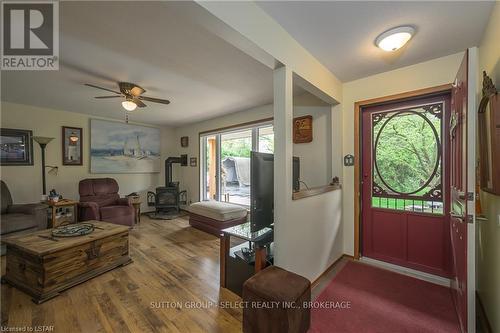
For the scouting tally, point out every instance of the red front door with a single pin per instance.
(405, 183)
(459, 214)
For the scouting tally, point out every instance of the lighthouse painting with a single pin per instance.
(123, 148)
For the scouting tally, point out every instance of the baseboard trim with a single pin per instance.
(316, 281)
(408, 272)
(481, 315)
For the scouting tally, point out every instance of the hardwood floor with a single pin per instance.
(170, 287)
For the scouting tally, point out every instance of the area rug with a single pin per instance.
(362, 298)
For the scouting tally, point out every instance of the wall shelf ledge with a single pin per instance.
(315, 191)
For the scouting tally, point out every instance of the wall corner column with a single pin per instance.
(283, 114)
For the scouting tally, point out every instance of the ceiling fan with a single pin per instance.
(132, 94)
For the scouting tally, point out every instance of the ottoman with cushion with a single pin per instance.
(213, 216)
(292, 293)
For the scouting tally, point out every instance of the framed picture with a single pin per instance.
(192, 161)
(303, 129)
(488, 119)
(117, 147)
(185, 141)
(16, 147)
(72, 151)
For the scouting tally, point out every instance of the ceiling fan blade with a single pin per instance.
(136, 91)
(154, 100)
(130, 89)
(139, 103)
(97, 87)
(107, 96)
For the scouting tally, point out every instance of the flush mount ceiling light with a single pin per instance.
(129, 105)
(395, 38)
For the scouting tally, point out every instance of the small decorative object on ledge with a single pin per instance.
(312, 191)
(53, 196)
(185, 141)
(489, 134)
(192, 161)
(335, 181)
(16, 147)
(302, 129)
(72, 145)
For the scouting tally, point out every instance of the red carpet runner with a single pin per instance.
(382, 301)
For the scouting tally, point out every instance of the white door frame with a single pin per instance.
(472, 84)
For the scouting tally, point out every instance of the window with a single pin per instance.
(266, 139)
(225, 156)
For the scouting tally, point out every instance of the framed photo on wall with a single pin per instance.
(72, 145)
(16, 147)
(185, 141)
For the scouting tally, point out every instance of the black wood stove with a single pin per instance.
(168, 198)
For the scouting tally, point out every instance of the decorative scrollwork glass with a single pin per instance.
(407, 155)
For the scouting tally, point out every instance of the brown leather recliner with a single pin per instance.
(99, 200)
(20, 217)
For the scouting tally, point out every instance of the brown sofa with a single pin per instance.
(20, 218)
(99, 200)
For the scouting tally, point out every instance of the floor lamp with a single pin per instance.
(43, 141)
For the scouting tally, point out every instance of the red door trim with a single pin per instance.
(357, 144)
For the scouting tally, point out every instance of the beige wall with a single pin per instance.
(316, 156)
(423, 75)
(25, 182)
(488, 233)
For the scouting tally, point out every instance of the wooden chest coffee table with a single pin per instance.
(43, 266)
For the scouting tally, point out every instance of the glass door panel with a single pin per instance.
(225, 162)
(266, 139)
(407, 152)
(235, 166)
(209, 169)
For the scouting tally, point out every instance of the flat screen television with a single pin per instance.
(262, 188)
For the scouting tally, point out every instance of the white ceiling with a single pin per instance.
(156, 45)
(341, 34)
(161, 47)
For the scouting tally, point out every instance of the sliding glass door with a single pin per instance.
(225, 156)
(210, 167)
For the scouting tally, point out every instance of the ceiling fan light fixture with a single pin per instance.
(129, 105)
(395, 38)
